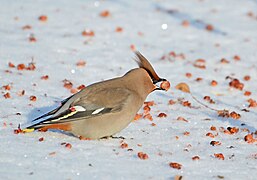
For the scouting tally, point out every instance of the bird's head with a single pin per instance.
(144, 79)
(145, 64)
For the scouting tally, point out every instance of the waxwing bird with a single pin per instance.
(104, 108)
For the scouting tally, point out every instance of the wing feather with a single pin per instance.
(88, 106)
(53, 111)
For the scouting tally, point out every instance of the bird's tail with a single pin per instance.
(44, 127)
(30, 128)
(25, 130)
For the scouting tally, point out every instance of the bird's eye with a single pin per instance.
(155, 81)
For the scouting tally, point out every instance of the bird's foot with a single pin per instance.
(117, 137)
(113, 137)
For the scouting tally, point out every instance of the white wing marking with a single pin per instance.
(97, 111)
(79, 108)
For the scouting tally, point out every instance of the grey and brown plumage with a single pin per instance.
(104, 108)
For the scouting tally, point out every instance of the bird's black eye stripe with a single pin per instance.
(156, 81)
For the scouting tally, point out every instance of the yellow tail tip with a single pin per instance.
(28, 130)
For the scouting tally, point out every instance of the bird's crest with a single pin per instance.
(145, 64)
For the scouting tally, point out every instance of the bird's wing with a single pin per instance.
(93, 104)
(55, 110)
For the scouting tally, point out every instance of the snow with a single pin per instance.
(155, 29)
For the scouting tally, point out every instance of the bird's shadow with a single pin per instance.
(37, 112)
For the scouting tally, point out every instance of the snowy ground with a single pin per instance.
(156, 28)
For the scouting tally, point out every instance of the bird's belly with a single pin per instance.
(102, 126)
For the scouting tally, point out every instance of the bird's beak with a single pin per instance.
(157, 83)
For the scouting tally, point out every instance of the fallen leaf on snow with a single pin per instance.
(183, 87)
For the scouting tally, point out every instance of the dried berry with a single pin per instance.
(45, 77)
(182, 119)
(146, 109)
(223, 113)
(88, 32)
(171, 102)
(7, 95)
(219, 156)
(237, 58)
(200, 63)
(81, 63)
(234, 115)
(186, 133)
(31, 66)
(52, 153)
(7, 87)
(210, 135)
(142, 155)
(119, 29)
(162, 115)
(195, 158)
(224, 61)
(185, 23)
(73, 90)
(11, 65)
(153, 124)
(252, 103)
(105, 13)
(32, 39)
(18, 130)
(32, 98)
(189, 75)
(149, 103)
(132, 47)
(42, 18)
(209, 27)
(249, 138)
(215, 143)
(165, 85)
(175, 165)
(148, 116)
(247, 93)
(213, 128)
(21, 67)
(247, 78)
(235, 83)
(124, 145)
(214, 83)
(26, 27)
(186, 103)
(232, 130)
(67, 84)
(82, 86)
(138, 116)
(84, 138)
(208, 99)
(198, 79)
(68, 146)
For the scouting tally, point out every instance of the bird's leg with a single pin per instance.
(106, 137)
(117, 137)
